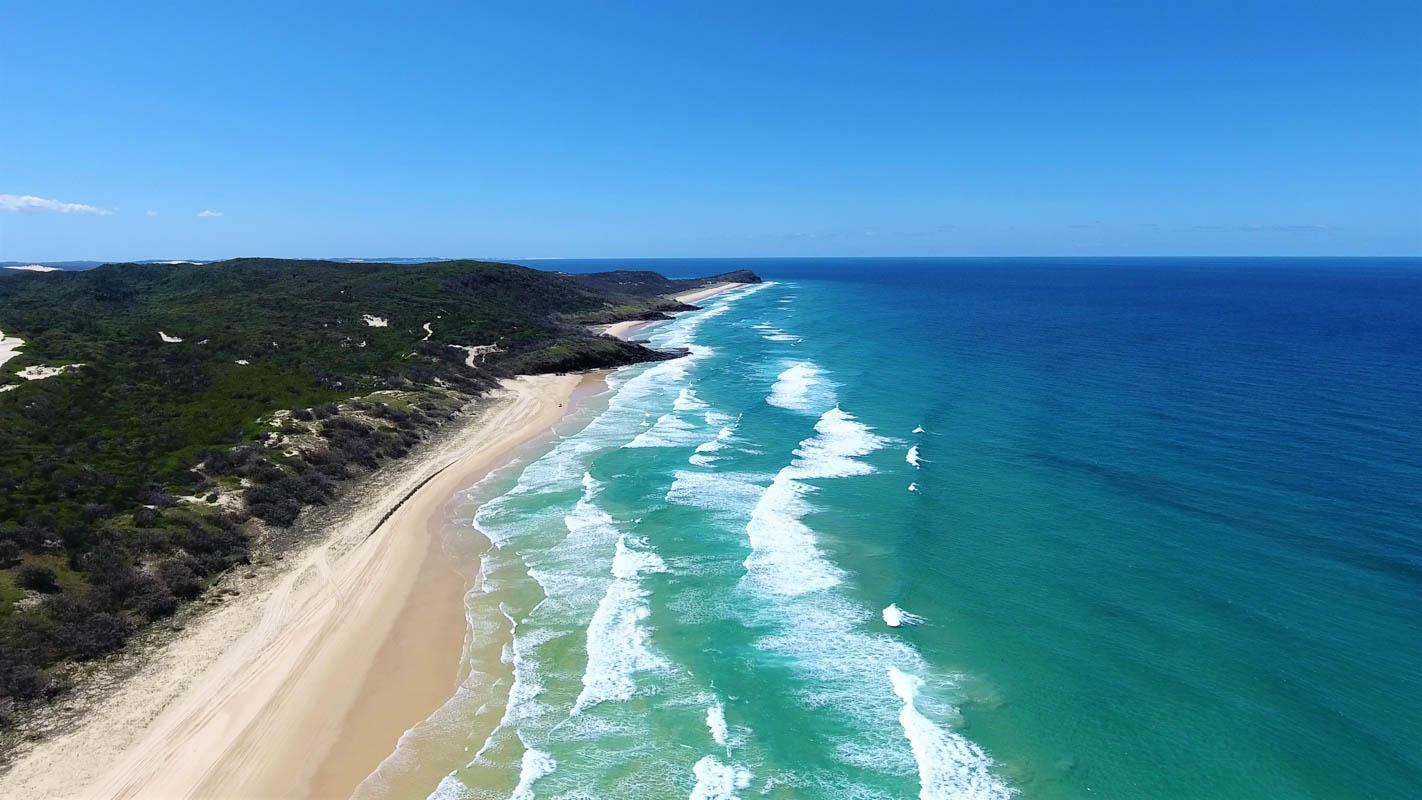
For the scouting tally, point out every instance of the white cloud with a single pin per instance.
(207, 213)
(28, 202)
(150, 213)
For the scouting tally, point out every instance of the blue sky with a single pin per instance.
(709, 129)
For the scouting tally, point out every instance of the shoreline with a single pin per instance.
(627, 329)
(282, 689)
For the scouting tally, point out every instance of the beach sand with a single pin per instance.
(301, 684)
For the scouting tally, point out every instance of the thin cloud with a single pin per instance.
(1288, 228)
(150, 213)
(30, 203)
(206, 213)
(1257, 228)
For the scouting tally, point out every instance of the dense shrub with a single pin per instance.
(181, 578)
(155, 600)
(21, 679)
(282, 513)
(37, 577)
(82, 631)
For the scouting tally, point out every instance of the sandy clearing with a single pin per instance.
(40, 372)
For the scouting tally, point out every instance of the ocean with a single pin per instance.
(1154, 527)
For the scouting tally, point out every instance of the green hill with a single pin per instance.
(93, 461)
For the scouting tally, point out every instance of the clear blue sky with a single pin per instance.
(709, 129)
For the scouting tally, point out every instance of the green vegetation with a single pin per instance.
(129, 483)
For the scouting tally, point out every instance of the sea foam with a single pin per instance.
(717, 781)
(716, 723)
(800, 387)
(949, 766)
(616, 641)
(785, 558)
(895, 617)
(534, 765)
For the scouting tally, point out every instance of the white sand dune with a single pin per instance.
(478, 351)
(9, 347)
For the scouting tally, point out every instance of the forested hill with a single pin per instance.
(194, 397)
(643, 284)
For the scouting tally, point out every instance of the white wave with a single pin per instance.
(895, 617)
(628, 564)
(616, 641)
(535, 765)
(785, 558)
(703, 457)
(913, 487)
(680, 332)
(450, 788)
(527, 685)
(912, 457)
(917, 429)
(717, 781)
(949, 766)
(800, 387)
(716, 722)
(771, 333)
(727, 493)
(688, 401)
(668, 431)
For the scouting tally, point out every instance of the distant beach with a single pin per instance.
(628, 329)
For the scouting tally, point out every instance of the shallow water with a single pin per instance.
(1158, 523)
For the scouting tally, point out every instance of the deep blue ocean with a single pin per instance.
(1158, 521)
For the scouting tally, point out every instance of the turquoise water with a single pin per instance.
(1162, 540)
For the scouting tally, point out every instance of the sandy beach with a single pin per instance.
(305, 671)
(628, 329)
(302, 680)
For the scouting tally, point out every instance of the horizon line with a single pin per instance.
(431, 259)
